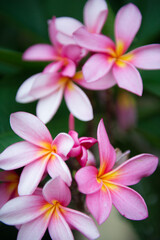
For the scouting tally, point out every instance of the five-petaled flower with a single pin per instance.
(37, 212)
(38, 153)
(111, 57)
(108, 185)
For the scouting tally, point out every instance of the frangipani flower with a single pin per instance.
(113, 58)
(62, 57)
(94, 15)
(49, 87)
(107, 185)
(81, 146)
(37, 153)
(8, 186)
(49, 210)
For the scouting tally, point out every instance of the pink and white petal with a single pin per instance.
(57, 167)
(23, 93)
(45, 84)
(5, 193)
(86, 179)
(39, 52)
(53, 67)
(31, 176)
(128, 78)
(78, 102)
(127, 24)
(95, 14)
(30, 128)
(106, 151)
(22, 209)
(134, 169)
(129, 203)
(100, 204)
(58, 228)
(64, 39)
(81, 222)
(96, 67)
(91, 159)
(83, 157)
(69, 69)
(87, 142)
(67, 25)
(103, 83)
(147, 57)
(56, 189)
(63, 143)
(34, 229)
(72, 52)
(92, 41)
(19, 154)
(53, 32)
(48, 106)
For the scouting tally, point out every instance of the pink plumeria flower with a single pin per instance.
(62, 57)
(8, 186)
(111, 57)
(38, 153)
(81, 145)
(108, 185)
(94, 15)
(49, 210)
(50, 87)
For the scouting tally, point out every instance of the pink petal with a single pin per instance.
(53, 32)
(95, 14)
(53, 67)
(34, 229)
(45, 84)
(72, 52)
(5, 193)
(47, 107)
(39, 52)
(78, 103)
(127, 24)
(86, 179)
(129, 203)
(128, 78)
(103, 83)
(91, 159)
(22, 209)
(31, 176)
(71, 122)
(92, 41)
(99, 204)
(58, 228)
(70, 69)
(83, 157)
(57, 167)
(56, 189)
(23, 94)
(97, 67)
(147, 57)
(63, 143)
(65, 27)
(87, 142)
(19, 154)
(133, 170)
(30, 128)
(106, 151)
(81, 222)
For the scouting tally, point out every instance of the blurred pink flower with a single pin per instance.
(107, 185)
(8, 186)
(48, 210)
(111, 57)
(38, 153)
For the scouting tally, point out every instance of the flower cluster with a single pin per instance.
(37, 199)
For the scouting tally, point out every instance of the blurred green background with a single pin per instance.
(24, 23)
